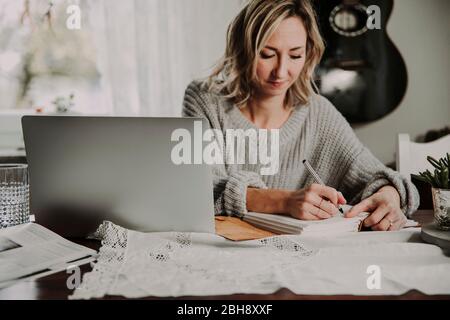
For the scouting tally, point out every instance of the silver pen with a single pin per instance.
(317, 179)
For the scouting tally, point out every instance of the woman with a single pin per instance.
(264, 81)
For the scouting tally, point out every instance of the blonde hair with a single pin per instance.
(246, 37)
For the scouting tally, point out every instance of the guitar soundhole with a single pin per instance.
(349, 21)
(362, 73)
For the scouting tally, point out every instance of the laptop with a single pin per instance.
(85, 170)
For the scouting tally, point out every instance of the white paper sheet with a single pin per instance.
(30, 248)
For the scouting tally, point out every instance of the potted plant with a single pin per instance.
(440, 189)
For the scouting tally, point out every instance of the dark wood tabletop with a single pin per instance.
(54, 286)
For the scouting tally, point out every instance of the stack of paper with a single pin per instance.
(31, 251)
(287, 225)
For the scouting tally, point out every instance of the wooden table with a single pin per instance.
(54, 286)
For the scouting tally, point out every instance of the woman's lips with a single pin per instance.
(277, 84)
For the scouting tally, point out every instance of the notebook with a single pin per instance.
(281, 224)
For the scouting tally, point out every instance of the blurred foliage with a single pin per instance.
(35, 42)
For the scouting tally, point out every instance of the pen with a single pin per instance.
(317, 178)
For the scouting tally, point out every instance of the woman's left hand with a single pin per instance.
(384, 208)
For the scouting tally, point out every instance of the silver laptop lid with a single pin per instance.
(84, 170)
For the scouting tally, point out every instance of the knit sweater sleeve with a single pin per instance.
(361, 174)
(230, 184)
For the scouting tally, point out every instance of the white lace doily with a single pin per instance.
(135, 264)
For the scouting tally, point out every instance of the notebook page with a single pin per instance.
(292, 225)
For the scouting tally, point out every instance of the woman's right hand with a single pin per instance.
(314, 202)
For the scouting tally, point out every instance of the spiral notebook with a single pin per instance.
(287, 225)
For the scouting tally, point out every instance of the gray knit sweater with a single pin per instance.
(315, 131)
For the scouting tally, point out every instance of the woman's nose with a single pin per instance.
(281, 68)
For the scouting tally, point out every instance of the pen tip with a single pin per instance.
(342, 211)
(304, 161)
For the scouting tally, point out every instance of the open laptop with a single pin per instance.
(84, 170)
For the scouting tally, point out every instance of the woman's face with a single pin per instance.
(282, 59)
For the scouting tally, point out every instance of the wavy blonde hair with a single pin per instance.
(246, 37)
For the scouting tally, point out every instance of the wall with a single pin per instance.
(421, 31)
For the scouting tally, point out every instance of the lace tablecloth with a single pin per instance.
(135, 264)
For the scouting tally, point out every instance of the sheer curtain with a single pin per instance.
(149, 50)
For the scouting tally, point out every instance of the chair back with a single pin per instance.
(412, 156)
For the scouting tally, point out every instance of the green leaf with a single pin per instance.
(427, 174)
(448, 161)
(430, 176)
(444, 160)
(421, 178)
(444, 179)
(434, 162)
(437, 178)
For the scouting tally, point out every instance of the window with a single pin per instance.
(43, 60)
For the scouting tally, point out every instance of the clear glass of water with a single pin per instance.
(14, 195)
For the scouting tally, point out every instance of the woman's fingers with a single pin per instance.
(307, 211)
(387, 223)
(325, 192)
(304, 212)
(341, 199)
(390, 222)
(318, 212)
(383, 225)
(328, 207)
(364, 206)
(323, 204)
(375, 217)
(316, 200)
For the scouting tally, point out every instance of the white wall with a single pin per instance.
(11, 132)
(421, 31)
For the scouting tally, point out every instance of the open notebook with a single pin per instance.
(287, 225)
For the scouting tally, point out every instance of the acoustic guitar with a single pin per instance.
(362, 73)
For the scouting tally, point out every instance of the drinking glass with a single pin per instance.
(14, 195)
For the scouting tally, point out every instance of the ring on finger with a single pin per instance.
(391, 223)
(319, 208)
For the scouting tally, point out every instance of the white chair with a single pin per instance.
(411, 156)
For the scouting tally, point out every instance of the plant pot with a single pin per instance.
(441, 204)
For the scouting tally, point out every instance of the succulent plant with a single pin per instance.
(440, 177)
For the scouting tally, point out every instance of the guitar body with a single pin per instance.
(362, 73)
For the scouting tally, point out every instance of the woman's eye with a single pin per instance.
(296, 57)
(266, 56)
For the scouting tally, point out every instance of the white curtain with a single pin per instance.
(149, 50)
